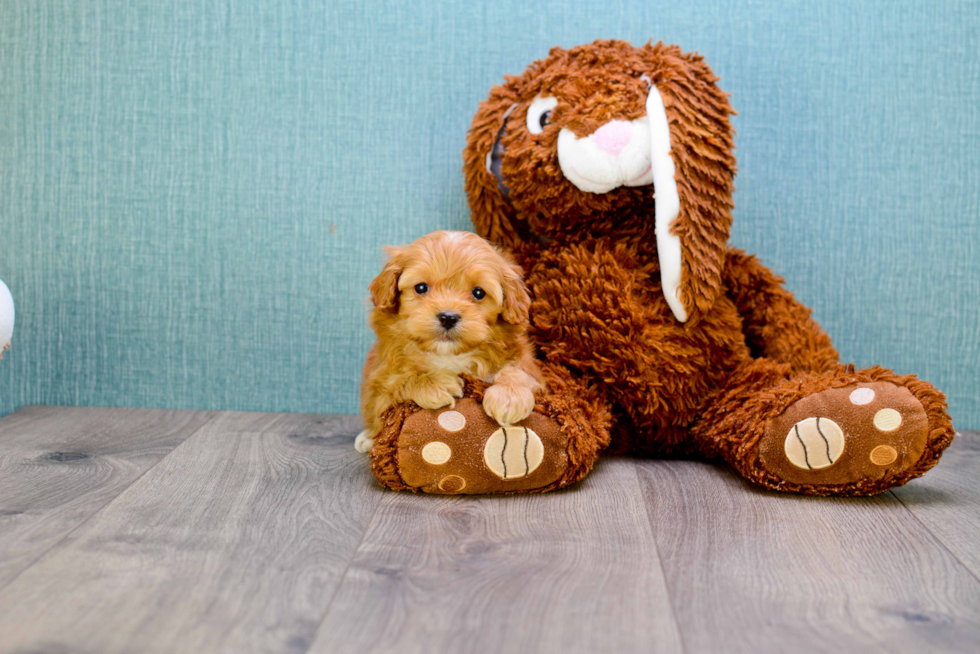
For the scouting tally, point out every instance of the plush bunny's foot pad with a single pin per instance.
(870, 436)
(464, 451)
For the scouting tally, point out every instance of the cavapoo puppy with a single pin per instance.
(448, 304)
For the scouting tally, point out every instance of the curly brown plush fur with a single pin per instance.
(716, 375)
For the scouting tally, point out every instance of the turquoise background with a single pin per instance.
(194, 195)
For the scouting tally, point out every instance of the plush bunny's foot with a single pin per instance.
(464, 451)
(839, 432)
(841, 435)
(857, 439)
(461, 450)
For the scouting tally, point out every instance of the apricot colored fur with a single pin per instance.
(416, 359)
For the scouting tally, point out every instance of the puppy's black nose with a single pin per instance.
(448, 319)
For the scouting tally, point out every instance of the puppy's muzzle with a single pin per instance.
(448, 319)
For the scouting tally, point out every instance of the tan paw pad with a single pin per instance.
(452, 484)
(513, 452)
(436, 453)
(862, 396)
(888, 420)
(814, 443)
(452, 420)
(883, 455)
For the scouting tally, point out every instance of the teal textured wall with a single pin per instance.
(194, 195)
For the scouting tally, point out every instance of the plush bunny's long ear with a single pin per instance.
(667, 205)
(693, 171)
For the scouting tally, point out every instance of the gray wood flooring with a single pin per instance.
(125, 530)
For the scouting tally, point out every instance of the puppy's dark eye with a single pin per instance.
(479, 293)
(422, 288)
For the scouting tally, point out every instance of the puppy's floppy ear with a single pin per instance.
(516, 302)
(384, 288)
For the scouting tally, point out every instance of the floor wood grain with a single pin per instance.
(235, 542)
(58, 466)
(572, 571)
(756, 571)
(168, 531)
(948, 500)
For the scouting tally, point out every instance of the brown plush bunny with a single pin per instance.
(608, 171)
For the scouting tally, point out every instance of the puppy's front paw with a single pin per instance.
(508, 404)
(455, 387)
(435, 398)
(363, 443)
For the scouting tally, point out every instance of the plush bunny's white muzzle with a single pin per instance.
(617, 154)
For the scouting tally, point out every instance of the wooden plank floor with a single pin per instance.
(127, 530)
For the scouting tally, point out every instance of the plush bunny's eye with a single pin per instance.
(539, 114)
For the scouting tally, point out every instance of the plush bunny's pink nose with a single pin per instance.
(613, 136)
